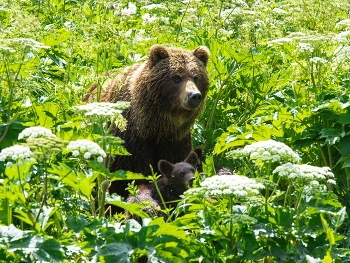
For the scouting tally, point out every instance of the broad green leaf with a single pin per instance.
(117, 252)
(125, 175)
(328, 231)
(327, 258)
(135, 209)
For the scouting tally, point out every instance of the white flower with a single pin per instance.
(102, 108)
(16, 153)
(266, 151)
(154, 6)
(343, 23)
(67, 24)
(85, 147)
(305, 174)
(304, 47)
(87, 155)
(100, 159)
(331, 181)
(318, 60)
(35, 132)
(227, 185)
(279, 11)
(280, 41)
(130, 10)
(148, 19)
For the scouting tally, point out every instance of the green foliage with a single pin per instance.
(278, 70)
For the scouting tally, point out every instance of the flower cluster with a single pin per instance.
(87, 149)
(16, 154)
(102, 112)
(130, 10)
(280, 41)
(45, 148)
(318, 60)
(305, 47)
(279, 11)
(35, 132)
(154, 6)
(305, 174)
(227, 185)
(266, 152)
(148, 19)
(101, 108)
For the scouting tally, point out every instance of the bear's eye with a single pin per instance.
(177, 79)
(182, 174)
(196, 78)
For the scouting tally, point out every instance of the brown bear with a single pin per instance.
(166, 95)
(175, 180)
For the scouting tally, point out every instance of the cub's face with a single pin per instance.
(182, 175)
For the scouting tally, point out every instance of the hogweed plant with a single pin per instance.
(220, 217)
(278, 69)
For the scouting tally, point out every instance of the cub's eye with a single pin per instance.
(196, 78)
(177, 79)
(182, 174)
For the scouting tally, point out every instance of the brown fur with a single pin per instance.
(175, 180)
(161, 112)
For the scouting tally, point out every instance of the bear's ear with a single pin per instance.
(165, 167)
(199, 152)
(192, 159)
(156, 54)
(202, 53)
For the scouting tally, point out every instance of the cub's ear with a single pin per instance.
(156, 54)
(199, 152)
(165, 167)
(192, 159)
(202, 53)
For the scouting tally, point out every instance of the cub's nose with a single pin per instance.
(191, 181)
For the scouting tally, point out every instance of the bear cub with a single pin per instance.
(175, 180)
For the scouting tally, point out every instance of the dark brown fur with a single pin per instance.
(175, 180)
(161, 114)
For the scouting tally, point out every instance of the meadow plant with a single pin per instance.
(86, 149)
(278, 69)
(35, 132)
(229, 186)
(17, 154)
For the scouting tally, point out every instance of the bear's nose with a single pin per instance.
(191, 181)
(194, 99)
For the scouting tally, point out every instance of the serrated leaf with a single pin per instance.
(117, 252)
(135, 209)
(344, 119)
(125, 175)
(328, 231)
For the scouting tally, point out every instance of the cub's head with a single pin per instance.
(178, 78)
(181, 175)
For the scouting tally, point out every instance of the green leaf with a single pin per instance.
(339, 217)
(78, 181)
(344, 119)
(125, 175)
(77, 224)
(329, 232)
(135, 209)
(117, 252)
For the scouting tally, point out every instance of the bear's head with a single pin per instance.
(177, 79)
(180, 176)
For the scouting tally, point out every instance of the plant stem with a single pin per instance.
(299, 199)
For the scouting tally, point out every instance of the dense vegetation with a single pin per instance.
(279, 73)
